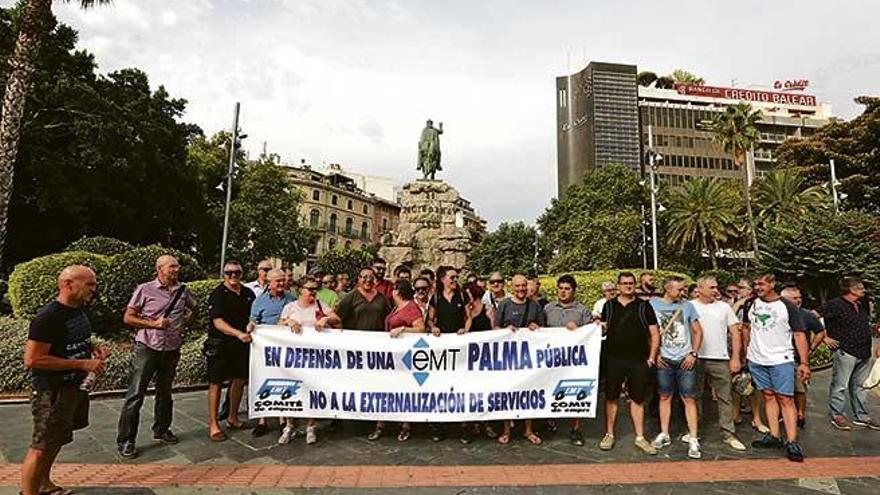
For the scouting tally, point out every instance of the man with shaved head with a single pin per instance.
(59, 354)
(158, 310)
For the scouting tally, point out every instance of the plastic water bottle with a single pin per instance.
(88, 382)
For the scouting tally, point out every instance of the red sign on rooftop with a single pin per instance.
(746, 94)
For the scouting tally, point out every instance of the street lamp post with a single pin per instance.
(229, 171)
(652, 169)
(834, 186)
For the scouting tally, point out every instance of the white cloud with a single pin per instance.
(352, 81)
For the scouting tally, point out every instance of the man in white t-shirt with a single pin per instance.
(260, 285)
(716, 361)
(496, 293)
(609, 292)
(770, 325)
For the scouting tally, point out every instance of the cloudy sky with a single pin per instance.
(352, 81)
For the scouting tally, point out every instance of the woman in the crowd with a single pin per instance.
(449, 313)
(482, 315)
(406, 318)
(306, 311)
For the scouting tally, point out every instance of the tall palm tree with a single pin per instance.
(736, 130)
(784, 193)
(34, 25)
(702, 215)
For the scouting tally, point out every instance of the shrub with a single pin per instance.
(192, 369)
(201, 290)
(107, 246)
(14, 377)
(127, 271)
(590, 283)
(35, 283)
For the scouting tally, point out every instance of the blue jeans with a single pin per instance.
(848, 374)
(673, 379)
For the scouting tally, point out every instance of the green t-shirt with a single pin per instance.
(328, 297)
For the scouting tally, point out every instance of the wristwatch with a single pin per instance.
(692, 353)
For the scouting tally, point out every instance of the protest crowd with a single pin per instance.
(746, 344)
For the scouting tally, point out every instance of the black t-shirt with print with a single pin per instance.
(69, 332)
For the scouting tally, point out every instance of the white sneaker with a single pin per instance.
(694, 449)
(734, 443)
(287, 434)
(311, 436)
(686, 438)
(661, 440)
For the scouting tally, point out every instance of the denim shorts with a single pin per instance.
(778, 378)
(673, 379)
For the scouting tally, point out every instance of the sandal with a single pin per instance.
(218, 437)
(403, 435)
(58, 490)
(533, 439)
(377, 433)
(241, 425)
(490, 432)
(504, 438)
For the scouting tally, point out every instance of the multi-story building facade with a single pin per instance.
(604, 117)
(679, 123)
(343, 215)
(597, 121)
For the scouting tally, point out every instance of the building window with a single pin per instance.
(314, 218)
(384, 225)
(334, 200)
(350, 205)
(332, 227)
(347, 245)
(331, 244)
(366, 209)
(349, 226)
(563, 99)
(364, 231)
(316, 195)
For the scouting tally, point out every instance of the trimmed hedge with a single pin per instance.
(590, 283)
(34, 283)
(107, 246)
(201, 290)
(14, 377)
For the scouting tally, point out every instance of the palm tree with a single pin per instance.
(683, 76)
(702, 215)
(34, 25)
(784, 193)
(736, 130)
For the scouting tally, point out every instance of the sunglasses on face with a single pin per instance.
(310, 289)
(232, 273)
(493, 282)
(263, 269)
(368, 278)
(453, 278)
(421, 289)
(379, 268)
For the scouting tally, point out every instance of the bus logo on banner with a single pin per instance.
(421, 360)
(285, 388)
(570, 396)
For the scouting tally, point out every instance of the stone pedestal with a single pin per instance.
(437, 227)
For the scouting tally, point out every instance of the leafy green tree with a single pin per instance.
(683, 76)
(597, 224)
(264, 218)
(348, 261)
(736, 130)
(98, 155)
(855, 147)
(817, 249)
(646, 78)
(34, 22)
(701, 215)
(784, 193)
(664, 82)
(509, 249)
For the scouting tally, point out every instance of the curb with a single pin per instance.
(109, 394)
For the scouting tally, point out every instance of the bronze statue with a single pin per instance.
(429, 150)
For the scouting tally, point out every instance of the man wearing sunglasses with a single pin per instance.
(496, 292)
(228, 346)
(385, 287)
(609, 292)
(260, 285)
(422, 287)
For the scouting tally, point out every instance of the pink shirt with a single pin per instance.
(306, 316)
(405, 316)
(150, 300)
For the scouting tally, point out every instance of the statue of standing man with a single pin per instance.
(429, 150)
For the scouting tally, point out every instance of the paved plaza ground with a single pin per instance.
(345, 462)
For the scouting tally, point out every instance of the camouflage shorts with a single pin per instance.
(57, 413)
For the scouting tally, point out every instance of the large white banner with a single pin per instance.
(498, 374)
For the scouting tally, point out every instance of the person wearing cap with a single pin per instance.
(609, 292)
